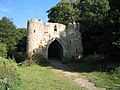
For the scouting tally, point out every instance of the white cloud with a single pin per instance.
(3, 8)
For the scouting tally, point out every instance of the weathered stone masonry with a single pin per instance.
(42, 35)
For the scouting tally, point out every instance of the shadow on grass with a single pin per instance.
(79, 66)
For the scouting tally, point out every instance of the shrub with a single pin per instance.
(3, 50)
(7, 73)
(116, 72)
(20, 56)
(96, 58)
(113, 56)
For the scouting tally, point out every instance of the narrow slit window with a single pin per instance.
(55, 28)
(76, 50)
(34, 30)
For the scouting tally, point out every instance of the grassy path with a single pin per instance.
(60, 77)
(44, 78)
(109, 80)
(75, 76)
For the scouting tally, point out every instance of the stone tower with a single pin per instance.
(53, 40)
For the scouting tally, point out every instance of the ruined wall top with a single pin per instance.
(36, 22)
(53, 29)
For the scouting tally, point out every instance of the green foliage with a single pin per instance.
(114, 19)
(112, 24)
(93, 10)
(114, 4)
(7, 73)
(100, 27)
(116, 35)
(95, 59)
(7, 34)
(117, 43)
(12, 39)
(3, 50)
(64, 13)
(20, 51)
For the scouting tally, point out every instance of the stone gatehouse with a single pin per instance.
(53, 40)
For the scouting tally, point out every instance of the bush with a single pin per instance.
(116, 72)
(7, 73)
(96, 58)
(113, 56)
(3, 50)
(20, 56)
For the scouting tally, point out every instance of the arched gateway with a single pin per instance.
(53, 40)
(55, 50)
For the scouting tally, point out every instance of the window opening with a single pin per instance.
(55, 28)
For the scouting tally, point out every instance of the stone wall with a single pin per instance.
(41, 35)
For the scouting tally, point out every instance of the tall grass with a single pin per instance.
(7, 73)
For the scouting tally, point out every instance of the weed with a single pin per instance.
(7, 73)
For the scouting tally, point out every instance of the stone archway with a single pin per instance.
(55, 50)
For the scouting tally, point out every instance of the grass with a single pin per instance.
(7, 73)
(33, 77)
(43, 77)
(109, 80)
(37, 77)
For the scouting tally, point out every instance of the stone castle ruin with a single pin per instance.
(53, 40)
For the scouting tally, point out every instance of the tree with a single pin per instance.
(7, 34)
(93, 10)
(92, 15)
(114, 20)
(100, 28)
(64, 13)
(20, 51)
(14, 38)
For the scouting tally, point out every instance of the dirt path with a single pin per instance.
(75, 76)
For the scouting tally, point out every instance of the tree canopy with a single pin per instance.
(93, 10)
(99, 24)
(12, 39)
(64, 13)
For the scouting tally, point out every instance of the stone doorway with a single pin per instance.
(55, 50)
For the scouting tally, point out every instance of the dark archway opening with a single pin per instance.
(55, 50)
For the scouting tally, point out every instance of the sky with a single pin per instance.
(20, 11)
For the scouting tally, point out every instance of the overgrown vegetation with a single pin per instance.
(12, 40)
(8, 75)
(3, 50)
